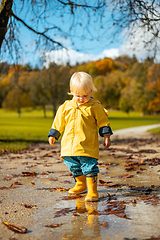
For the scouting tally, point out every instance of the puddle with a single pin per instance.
(115, 170)
(128, 206)
(88, 220)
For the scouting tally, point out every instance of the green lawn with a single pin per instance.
(155, 131)
(18, 133)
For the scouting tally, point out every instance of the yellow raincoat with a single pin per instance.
(80, 125)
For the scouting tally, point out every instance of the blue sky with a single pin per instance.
(95, 44)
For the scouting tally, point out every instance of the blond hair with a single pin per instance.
(81, 83)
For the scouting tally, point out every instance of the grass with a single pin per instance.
(18, 133)
(120, 120)
(155, 131)
(13, 146)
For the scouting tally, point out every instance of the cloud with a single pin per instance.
(135, 43)
(73, 57)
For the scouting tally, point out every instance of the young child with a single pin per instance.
(80, 119)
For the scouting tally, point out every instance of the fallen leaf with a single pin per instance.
(104, 224)
(115, 185)
(65, 181)
(95, 213)
(126, 176)
(54, 225)
(103, 182)
(26, 174)
(11, 187)
(147, 151)
(28, 206)
(63, 212)
(15, 228)
(47, 155)
(75, 214)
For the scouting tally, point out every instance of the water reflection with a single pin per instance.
(142, 222)
(86, 225)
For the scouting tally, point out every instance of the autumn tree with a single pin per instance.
(104, 66)
(109, 89)
(137, 85)
(56, 81)
(38, 90)
(99, 83)
(125, 101)
(4, 87)
(90, 68)
(18, 94)
(124, 63)
(153, 87)
(15, 100)
(4, 68)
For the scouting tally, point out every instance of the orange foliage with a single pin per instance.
(125, 66)
(155, 104)
(154, 87)
(104, 66)
(13, 69)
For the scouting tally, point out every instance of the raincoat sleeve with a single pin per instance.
(103, 123)
(58, 123)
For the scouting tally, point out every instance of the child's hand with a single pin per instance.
(107, 141)
(51, 140)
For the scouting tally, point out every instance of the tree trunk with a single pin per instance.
(5, 10)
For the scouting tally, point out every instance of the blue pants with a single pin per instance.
(81, 165)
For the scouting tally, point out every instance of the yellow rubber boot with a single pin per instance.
(92, 194)
(80, 186)
(80, 206)
(92, 218)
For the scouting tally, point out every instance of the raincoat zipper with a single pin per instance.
(74, 131)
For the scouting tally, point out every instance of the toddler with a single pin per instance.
(80, 119)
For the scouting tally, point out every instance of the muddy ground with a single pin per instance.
(34, 185)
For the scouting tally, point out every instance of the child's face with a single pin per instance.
(80, 99)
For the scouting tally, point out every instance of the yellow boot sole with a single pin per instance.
(76, 191)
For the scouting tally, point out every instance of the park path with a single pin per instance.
(140, 131)
(34, 192)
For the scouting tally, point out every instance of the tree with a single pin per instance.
(139, 16)
(104, 66)
(4, 88)
(153, 87)
(56, 82)
(109, 89)
(90, 68)
(18, 93)
(138, 91)
(125, 103)
(5, 15)
(38, 91)
(15, 100)
(42, 18)
(36, 16)
(4, 68)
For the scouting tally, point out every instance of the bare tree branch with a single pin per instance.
(72, 19)
(38, 33)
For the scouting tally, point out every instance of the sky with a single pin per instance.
(88, 43)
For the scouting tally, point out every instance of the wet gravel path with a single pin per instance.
(34, 193)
